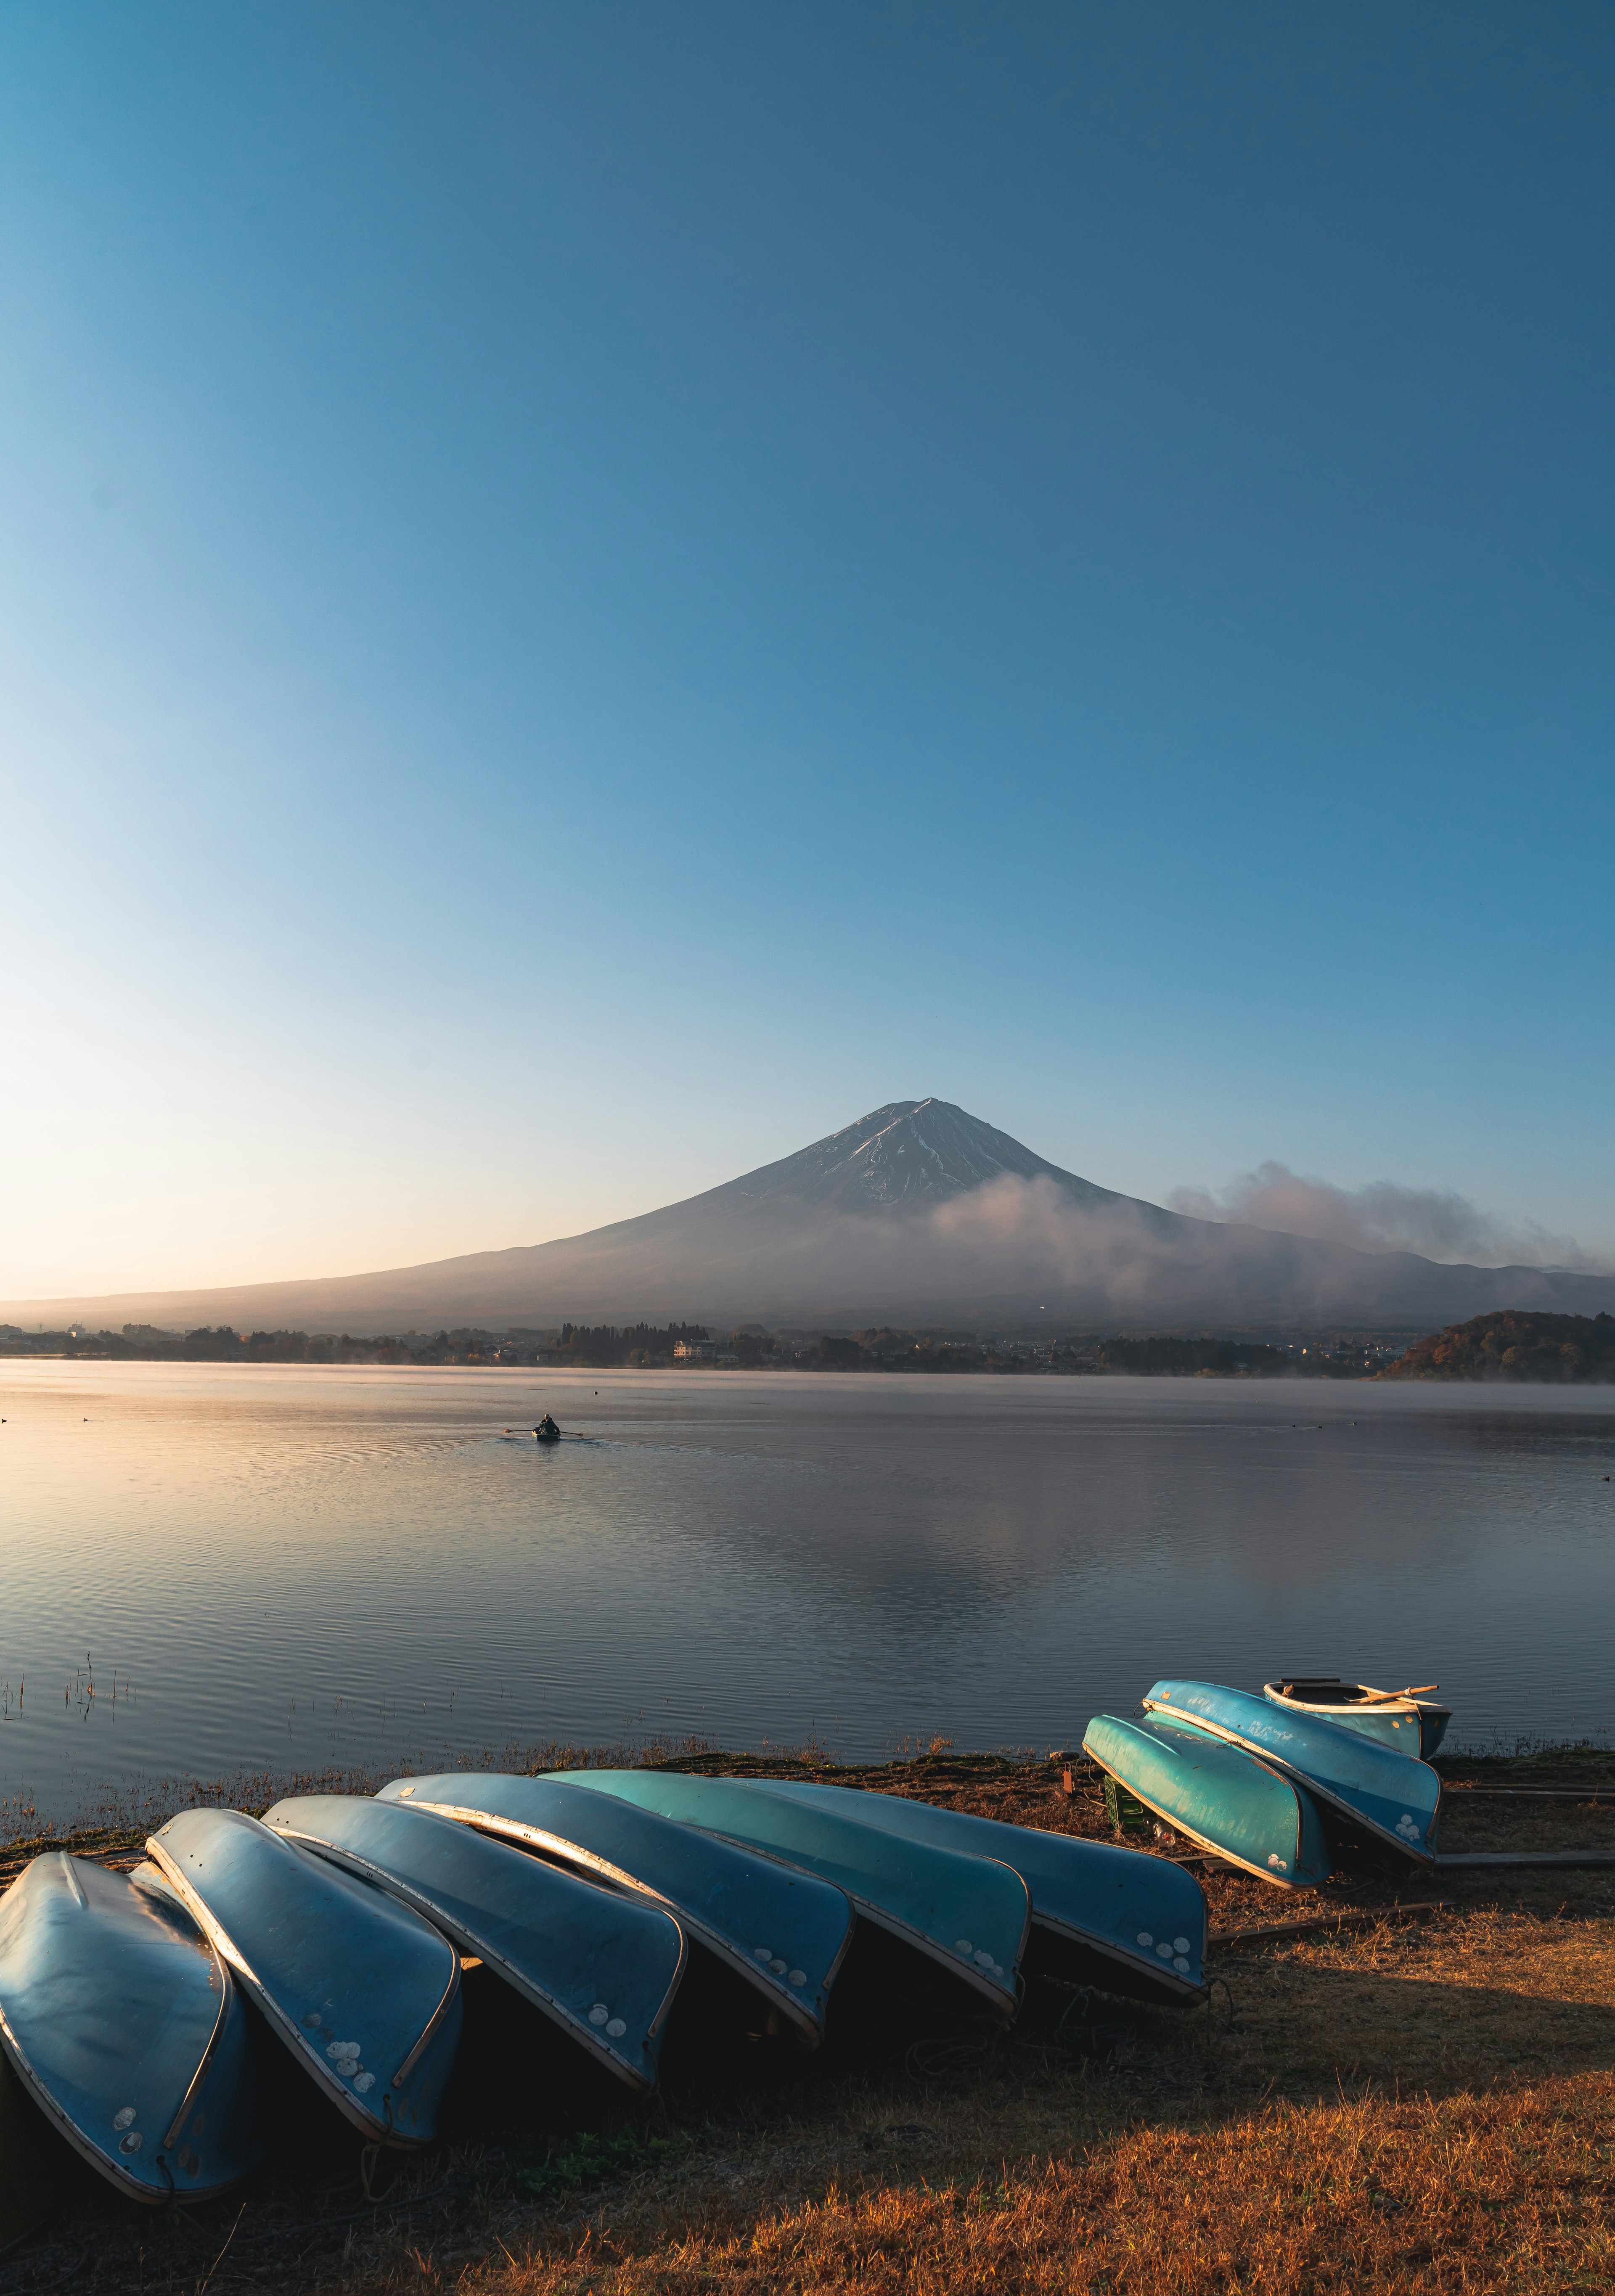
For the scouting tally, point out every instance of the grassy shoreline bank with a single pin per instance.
(1383, 2108)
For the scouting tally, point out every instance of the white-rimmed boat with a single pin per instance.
(1405, 1719)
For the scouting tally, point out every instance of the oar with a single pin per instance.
(1414, 1690)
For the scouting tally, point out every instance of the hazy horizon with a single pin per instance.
(920, 1214)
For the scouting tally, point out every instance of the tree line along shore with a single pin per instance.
(1512, 1345)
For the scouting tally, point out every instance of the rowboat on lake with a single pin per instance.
(1404, 1720)
(363, 1991)
(968, 1912)
(785, 1933)
(603, 1967)
(122, 2023)
(1090, 1895)
(1225, 1801)
(1392, 1798)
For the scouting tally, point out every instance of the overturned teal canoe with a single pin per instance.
(967, 1912)
(1089, 1894)
(785, 1933)
(1225, 1799)
(605, 1967)
(123, 2026)
(1393, 1797)
(363, 1991)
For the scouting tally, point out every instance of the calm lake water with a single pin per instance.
(281, 1569)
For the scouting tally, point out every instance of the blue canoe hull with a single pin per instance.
(1387, 1795)
(363, 1992)
(785, 1933)
(605, 1968)
(1225, 1801)
(970, 1914)
(125, 2028)
(1088, 1894)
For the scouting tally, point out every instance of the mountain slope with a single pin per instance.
(917, 1213)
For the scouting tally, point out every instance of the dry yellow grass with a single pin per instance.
(1391, 2110)
(1504, 2193)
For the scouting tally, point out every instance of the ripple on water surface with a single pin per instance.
(208, 1568)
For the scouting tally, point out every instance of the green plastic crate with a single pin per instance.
(1125, 1811)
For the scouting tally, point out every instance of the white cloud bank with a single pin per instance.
(1438, 1223)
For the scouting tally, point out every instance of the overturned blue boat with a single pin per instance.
(1144, 1916)
(123, 2025)
(785, 1933)
(968, 1912)
(1392, 1798)
(603, 1967)
(363, 1991)
(1223, 1798)
(1408, 1721)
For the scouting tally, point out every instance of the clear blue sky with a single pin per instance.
(589, 592)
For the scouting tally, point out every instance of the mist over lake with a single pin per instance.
(283, 1569)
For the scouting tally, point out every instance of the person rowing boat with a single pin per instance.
(547, 1429)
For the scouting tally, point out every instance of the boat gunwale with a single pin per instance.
(1068, 1932)
(573, 1853)
(1006, 1999)
(1163, 1974)
(575, 2028)
(39, 2093)
(1397, 1702)
(1216, 1848)
(384, 2131)
(1336, 1801)
(226, 1985)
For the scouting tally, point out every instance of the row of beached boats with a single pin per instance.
(1282, 1784)
(345, 1921)
(127, 1999)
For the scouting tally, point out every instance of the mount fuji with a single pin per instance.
(918, 1213)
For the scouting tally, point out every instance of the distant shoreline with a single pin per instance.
(1512, 1347)
(688, 1348)
(360, 1361)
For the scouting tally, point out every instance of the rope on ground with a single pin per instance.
(1227, 2024)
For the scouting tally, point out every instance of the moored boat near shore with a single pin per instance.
(1393, 1798)
(785, 1933)
(1405, 1721)
(603, 1967)
(971, 1914)
(363, 1991)
(1090, 1895)
(122, 2023)
(1220, 1797)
